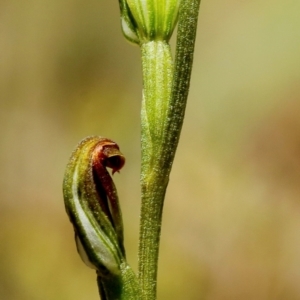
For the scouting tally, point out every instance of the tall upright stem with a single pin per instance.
(157, 74)
(163, 107)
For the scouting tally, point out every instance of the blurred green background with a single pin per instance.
(231, 227)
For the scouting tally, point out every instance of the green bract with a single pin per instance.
(148, 20)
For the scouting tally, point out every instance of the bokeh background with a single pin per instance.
(231, 227)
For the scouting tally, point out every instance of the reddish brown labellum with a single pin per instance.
(106, 154)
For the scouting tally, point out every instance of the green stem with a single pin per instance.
(157, 73)
(163, 108)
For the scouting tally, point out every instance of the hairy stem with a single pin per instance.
(157, 72)
(163, 108)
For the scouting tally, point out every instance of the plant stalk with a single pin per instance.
(157, 73)
(163, 108)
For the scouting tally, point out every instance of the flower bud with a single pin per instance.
(148, 20)
(91, 201)
(92, 204)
